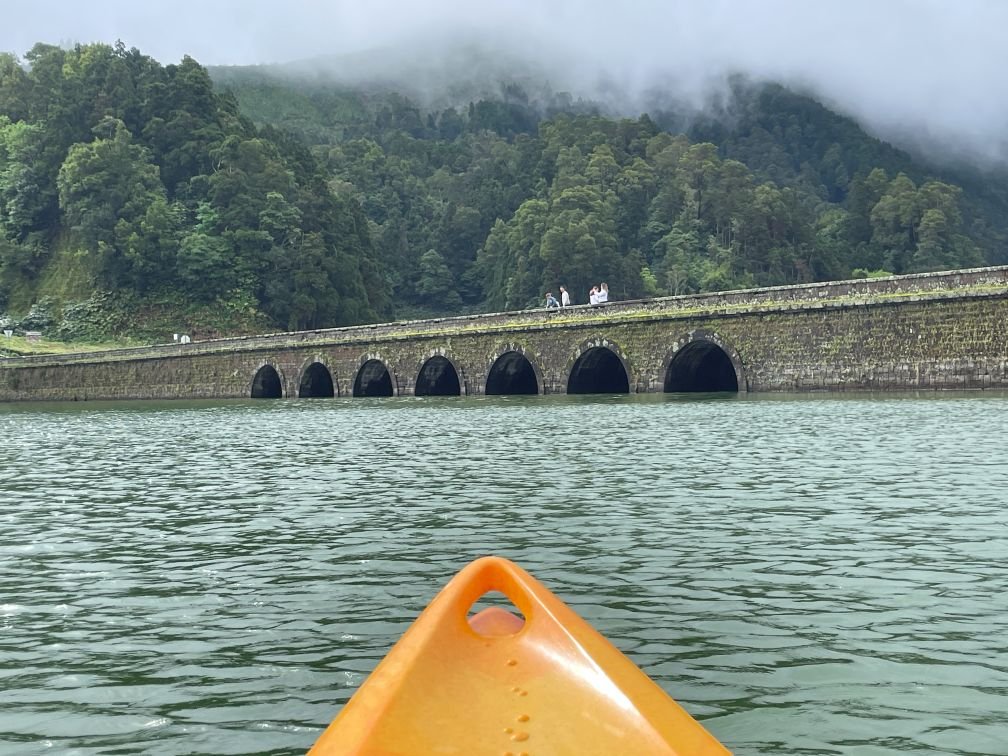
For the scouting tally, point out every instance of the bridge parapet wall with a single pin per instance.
(962, 283)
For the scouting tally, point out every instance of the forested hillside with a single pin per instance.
(496, 201)
(129, 188)
(135, 195)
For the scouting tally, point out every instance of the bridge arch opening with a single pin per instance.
(316, 382)
(598, 371)
(438, 377)
(373, 379)
(266, 384)
(701, 366)
(512, 374)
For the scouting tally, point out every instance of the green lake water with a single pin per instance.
(806, 575)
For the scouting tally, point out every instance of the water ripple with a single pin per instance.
(806, 575)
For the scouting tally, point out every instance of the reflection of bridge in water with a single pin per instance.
(938, 330)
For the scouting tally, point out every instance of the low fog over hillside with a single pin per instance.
(923, 72)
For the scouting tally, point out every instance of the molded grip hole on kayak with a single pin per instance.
(494, 615)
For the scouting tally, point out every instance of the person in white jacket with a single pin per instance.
(564, 297)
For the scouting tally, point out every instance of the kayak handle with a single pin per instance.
(492, 574)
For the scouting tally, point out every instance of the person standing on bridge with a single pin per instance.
(564, 297)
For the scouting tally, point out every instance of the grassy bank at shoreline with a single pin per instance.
(19, 346)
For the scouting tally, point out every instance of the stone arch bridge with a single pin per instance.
(930, 331)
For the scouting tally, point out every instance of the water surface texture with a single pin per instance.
(806, 575)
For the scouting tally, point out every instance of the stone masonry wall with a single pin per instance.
(933, 331)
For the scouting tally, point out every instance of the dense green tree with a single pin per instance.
(113, 200)
(435, 283)
(203, 261)
(24, 193)
(14, 88)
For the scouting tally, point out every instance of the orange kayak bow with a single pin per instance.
(496, 684)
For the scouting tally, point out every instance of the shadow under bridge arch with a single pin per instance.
(599, 370)
(316, 382)
(702, 365)
(267, 384)
(438, 377)
(373, 379)
(512, 374)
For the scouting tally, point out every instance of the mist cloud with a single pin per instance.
(930, 70)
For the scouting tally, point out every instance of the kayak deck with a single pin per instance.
(495, 683)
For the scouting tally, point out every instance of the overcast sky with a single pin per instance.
(936, 69)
